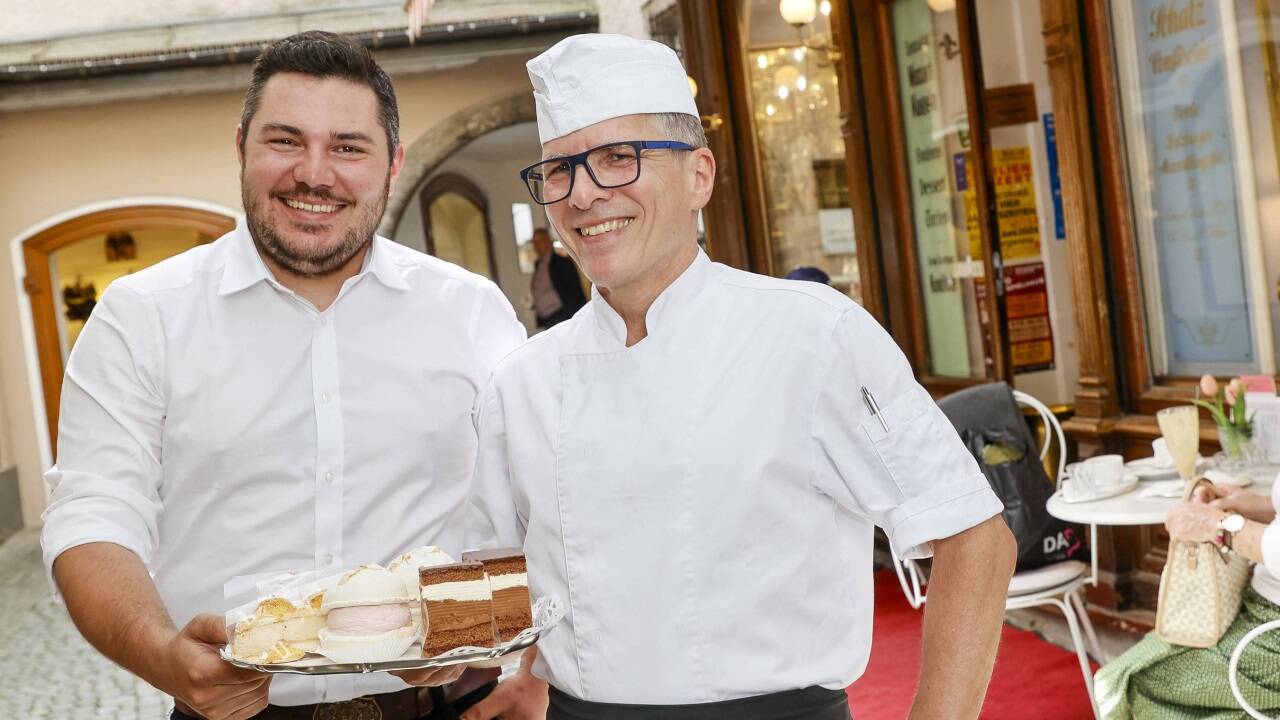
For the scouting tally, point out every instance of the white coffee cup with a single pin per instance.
(1101, 471)
(1160, 453)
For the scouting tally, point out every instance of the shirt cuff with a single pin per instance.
(65, 530)
(941, 513)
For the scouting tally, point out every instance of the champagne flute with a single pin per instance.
(1181, 429)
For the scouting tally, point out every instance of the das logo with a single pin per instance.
(1064, 540)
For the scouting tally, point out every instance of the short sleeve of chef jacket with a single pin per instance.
(915, 480)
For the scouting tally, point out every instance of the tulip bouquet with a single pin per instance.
(1227, 406)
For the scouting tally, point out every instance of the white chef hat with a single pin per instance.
(584, 79)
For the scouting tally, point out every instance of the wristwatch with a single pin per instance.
(1228, 526)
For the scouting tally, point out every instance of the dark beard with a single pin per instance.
(311, 261)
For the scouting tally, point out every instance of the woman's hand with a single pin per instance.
(1249, 504)
(1193, 521)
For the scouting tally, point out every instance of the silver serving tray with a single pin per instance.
(547, 611)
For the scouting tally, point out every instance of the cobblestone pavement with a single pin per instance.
(47, 671)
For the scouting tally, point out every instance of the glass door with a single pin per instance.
(943, 151)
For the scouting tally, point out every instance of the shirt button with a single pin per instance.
(327, 559)
(324, 322)
(328, 477)
(325, 397)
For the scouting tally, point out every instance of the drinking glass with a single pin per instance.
(1181, 429)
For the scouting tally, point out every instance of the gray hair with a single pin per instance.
(680, 127)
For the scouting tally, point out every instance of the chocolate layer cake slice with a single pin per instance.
(509, 582)
(457, 607)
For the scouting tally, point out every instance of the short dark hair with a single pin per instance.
(324, 55)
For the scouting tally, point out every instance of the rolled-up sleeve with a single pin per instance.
(906, 470)
(105, 486)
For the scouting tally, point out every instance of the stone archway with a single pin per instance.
(448, 136)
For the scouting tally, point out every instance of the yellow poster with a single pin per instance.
(1016, 203)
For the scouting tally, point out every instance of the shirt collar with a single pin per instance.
(245, 267)
(665, 308)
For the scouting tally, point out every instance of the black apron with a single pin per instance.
(812, 703)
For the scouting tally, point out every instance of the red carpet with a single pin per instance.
(1032, 679)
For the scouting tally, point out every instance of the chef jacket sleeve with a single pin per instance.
(105, 486)
(915, 479)
(492, 520)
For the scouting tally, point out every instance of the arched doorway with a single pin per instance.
(70, 264)
(455, 223)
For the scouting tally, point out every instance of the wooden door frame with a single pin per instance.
(451, 182)
(733, 232)
(38, 283)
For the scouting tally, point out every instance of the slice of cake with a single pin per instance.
(278, 631)
(457, 607)
(509, 583)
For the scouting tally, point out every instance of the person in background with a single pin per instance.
(810, 273)
(557, 292)
(1154, 679)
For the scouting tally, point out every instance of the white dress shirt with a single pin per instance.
(703, 502)
(219, 426)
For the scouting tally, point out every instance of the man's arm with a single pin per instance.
(114, 604)
(963, 618)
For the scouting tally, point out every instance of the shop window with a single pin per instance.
(1200, 95)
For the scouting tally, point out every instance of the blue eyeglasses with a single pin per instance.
(610, 166)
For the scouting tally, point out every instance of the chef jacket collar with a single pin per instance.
(668, 306)
(245, 267)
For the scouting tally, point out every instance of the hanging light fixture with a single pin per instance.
(941, 6)
(800, 14)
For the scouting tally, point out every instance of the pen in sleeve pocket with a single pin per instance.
(874, 407)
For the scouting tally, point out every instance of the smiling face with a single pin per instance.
(634, 239)
(315, 172)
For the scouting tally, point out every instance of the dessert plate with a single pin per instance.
(1130, 482)
(1148, 469)
(547, 612)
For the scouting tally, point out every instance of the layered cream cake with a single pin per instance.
(279, 631)
(457, 607)
(406, 568)
(509, 584)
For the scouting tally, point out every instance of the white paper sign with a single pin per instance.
(836, 225)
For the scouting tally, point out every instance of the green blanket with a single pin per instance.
(1155, 680)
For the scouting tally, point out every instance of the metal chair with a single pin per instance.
(1057, 584)
(1233, 671)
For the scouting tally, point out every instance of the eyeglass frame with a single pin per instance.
(581, 159)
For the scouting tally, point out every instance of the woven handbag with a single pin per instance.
(1200, 590)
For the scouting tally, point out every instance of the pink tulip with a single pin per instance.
(1232, 390)
(1209, 385)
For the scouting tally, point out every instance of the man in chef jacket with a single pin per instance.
(695, 462)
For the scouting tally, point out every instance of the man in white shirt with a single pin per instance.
(695, 462)
(295, 396)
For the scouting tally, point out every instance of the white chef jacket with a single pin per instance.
(219, 426)
(703, 501)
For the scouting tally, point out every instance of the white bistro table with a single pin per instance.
(1129, 508)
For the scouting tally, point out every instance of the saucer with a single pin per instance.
(1130, 482)
(1148, 469)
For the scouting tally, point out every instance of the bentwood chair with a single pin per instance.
(1056, 585)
